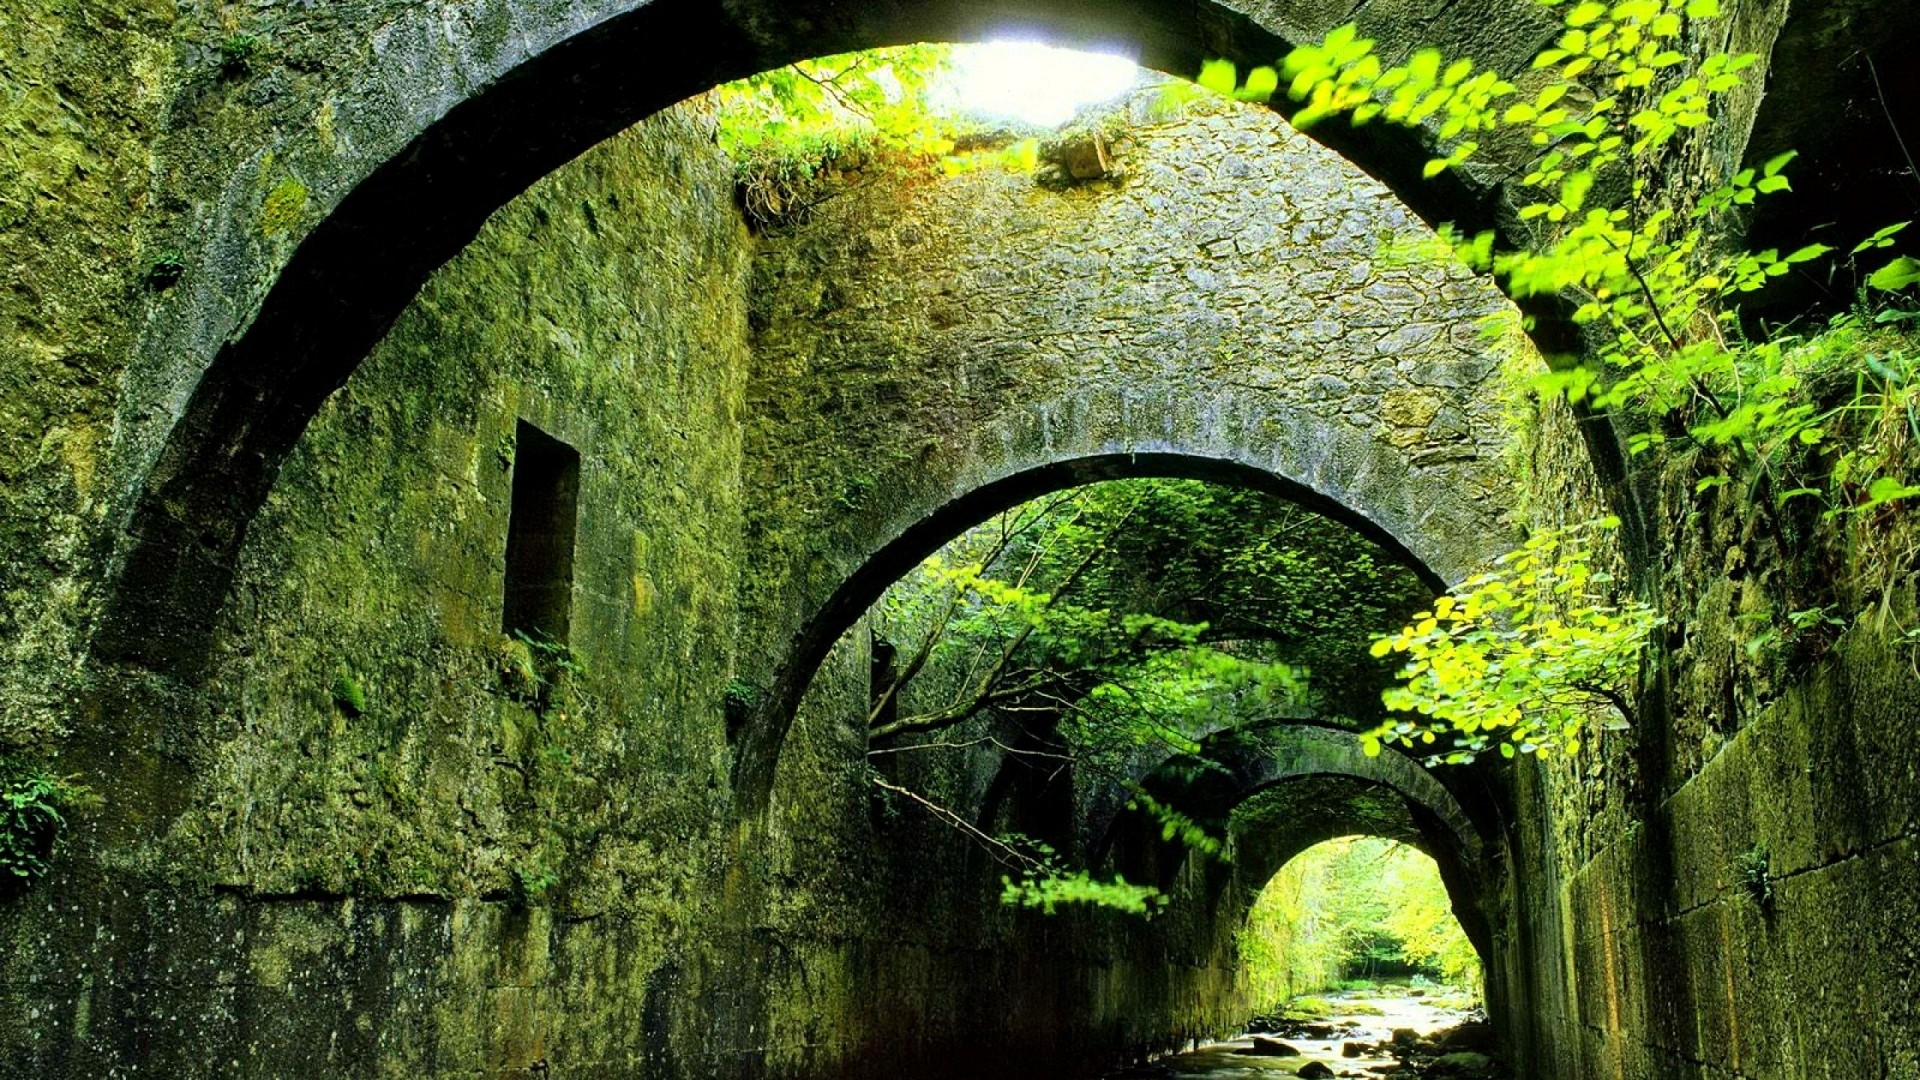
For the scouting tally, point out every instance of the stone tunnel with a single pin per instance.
(259, 513)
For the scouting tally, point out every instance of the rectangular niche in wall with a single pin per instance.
(540, 531)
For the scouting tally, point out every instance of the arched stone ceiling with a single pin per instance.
(932, 352)
(424, 118)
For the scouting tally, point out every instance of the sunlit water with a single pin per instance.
(1354, 1021)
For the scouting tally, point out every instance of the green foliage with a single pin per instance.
(1175, 825)
(165, 271)
(1523, 667)
(551, 656)
(518, 676)
(784, 127)
(816, 108)
(1421, 920)
(347, 693)
(1165, 601)
(1049, 890)
(1521, 657)
(1753, 869)
(1048, 883)
(238, 55)
(741, 696)
(1047, 618)
(1660, 300)
(1221, 77)
(1125, 619)
(532, 882)
(33, 808)
(1874, 356)
(1358, 906)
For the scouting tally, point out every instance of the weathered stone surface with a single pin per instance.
(444, 875)
(275, 887)
(1028, 337)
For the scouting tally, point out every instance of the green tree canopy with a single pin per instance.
(1127, 618)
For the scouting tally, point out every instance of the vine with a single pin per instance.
(1521, 658)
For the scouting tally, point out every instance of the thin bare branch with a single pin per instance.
(1003, 853)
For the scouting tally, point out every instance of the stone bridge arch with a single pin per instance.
(1334, 806)
(1281, 753)
(980, 342)
(1428, 520)
(410, 124)
(1330, 788)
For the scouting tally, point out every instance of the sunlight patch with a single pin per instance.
(1032, 83)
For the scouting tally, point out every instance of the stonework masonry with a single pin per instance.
(257, 452)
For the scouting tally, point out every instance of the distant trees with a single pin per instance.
(1085, 629)
(1350, 909)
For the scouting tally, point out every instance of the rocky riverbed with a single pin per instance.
(1405, 1035)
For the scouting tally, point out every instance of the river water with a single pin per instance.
(1365, 1021)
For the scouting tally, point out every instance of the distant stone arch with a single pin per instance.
(1279, 753)
(1340, 790)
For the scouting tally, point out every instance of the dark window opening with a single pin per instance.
(540, 533)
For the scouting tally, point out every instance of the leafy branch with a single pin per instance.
(1522, 657)
(1657, 294)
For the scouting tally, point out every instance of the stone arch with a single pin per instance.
(1441, 515)
(1340, 806)
(1281, 753)
(445, 118)
(1334, 780)
(1428, 523)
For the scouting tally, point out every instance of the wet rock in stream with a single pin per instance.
(1402, 1038)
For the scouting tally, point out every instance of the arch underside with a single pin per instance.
(1311, 782)
(456, 116)
(449, 116)
(1241, 763)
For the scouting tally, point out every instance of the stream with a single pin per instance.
(1393, 1033)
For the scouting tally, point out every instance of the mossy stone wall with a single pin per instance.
(389, 848)
(443, 872)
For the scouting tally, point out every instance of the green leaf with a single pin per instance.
(1582, 14)
(1261, 84)
(1886, 489)
(1703, 9)
(1880, 239)
(1573, 191)
(1219, 76)
(1898, 274)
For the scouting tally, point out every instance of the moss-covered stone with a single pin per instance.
(492, 859)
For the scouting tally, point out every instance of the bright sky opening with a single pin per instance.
(1034, 83)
